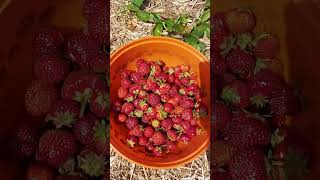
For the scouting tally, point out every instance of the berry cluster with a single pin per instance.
(251, 103)
(159, 105)
(70, 96)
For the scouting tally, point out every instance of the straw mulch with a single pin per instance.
(125, 28)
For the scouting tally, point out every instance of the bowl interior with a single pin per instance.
(172, 52)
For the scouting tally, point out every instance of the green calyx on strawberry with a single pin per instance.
(83, 98)
(244, 41)
(68, 167)
(266, 46)
(138, 113)
(99, 104)
(259, 101)
(62, 119)
(227, 45)
(236, 93)
(92, 164)
(100, 131)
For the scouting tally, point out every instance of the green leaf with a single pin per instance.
(168, 25)
(207, 4)
(133, 8)
(205, 16)
(137, 3)
(143, 16)
(157, 30)
(207, 32)
(156, 18)
(198, 31)
(192, 40)
(202, 46)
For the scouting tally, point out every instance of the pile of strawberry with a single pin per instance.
(159, 105)
(70, 94)
(252, 102)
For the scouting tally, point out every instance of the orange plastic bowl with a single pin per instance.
(172, 52)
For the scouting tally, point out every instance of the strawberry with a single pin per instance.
(125, 74)
(143, 67)
(220, 175)
(47, 42)
(219, 65)
(168, 107)
(39, 172)
(158, 138)
(99, 104)
(185, 138)
(221, 152)
(241, 63)
(221, 37)
(131, 122)
(51, 70)
(176, 119)
(165, 97)
(98, 25)
(132, 141)
(155, 70)
(68, 177)
(148, 132)
(150, 85)
(56, 146)
(164, 88)
(185, 81)
(245, 131)
(83, 131)
(100, 136)
(143, 105)
(157, 151)
(100, 63)
(136, 131)
(187, 114)
(26, 140)
(152, 112)
(186, 103)
(178, 110)
(143, 141)
(166, 124)
(122, 92)
(131, 98)
(92, 164)
(93, 7)
(149, 146)
(172, 135)
(40, 97)
(135, 89)
(153, 99)
(240, 20)
(221, 116)
(249, 164)
(127, 108)
(82, 49)
(122, 118)
(185, 125)
(266, 46)
(237, 94)
(125, 83)
(64, 113)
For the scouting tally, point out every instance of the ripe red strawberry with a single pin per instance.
(136, 77)
(143, 67)
(143, 105)
(249, 164)
(150, 84)
(64, 113)
(220, 175)
(68, 177)
(240, 20)
(136, 131)
(155, 70)
(185, 81)
(237, 94)
(92, 164)
(222, 152)
(39, 172)
(100, 63)
(166, 124)
(146, 119)
(83, 131)
(221, 116)
(158, 138)
(220, 37)
(93, 7)
(168, 107)
(157, 151)
(187, 114)
(284, 101)
(241, 63)
(122, 118)
(143, 141)
(185, 138)
(98, 25)
(51, 70)
(148, 132)
(82, 49)
(131, 98)
(153, 99)
(185, 125)
(266, 46)
(149, 146)
(186, 103)
(131, 122)
(245, 131)
(172, 135)
(174, 90)
(126, 83)
(132, 141)
(171, 146)
(152, 112)
(100, 135)
(40, 97)
(56, 146)
(164, 88)
(47, 42)
(99, 104)
(26, 140)
(122, 92)
(165, 97)
(219, 65)
(135, 89)
(127, 108)
(176, 119)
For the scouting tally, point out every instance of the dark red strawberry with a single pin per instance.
(143, 67)
(165, 97)
(241, 63)
(157, 151)
(126, 83)
(240, 20)
(82, 49)
(92, 164)
(219, 65)
(26, 140)
(68, 177)
(164, 88)
(153, 99)
(131, 122)
(236, 93)
(168, 107)
(100, 63)
(185, 138)
(135, 89)
(64, 113)
(172, 135)
(221, 116)
(266, 46)
(176, 119)
(39, 172)
(152, 112)
(56, 146)
(98, 25)
(158, 138)
(83, 130)
(166, 124)
(127, 108)
(132, 141)
(122, 92)
(186, 125)
(185, 81)
(99, 104)
(174, 90)
(143, 141)
(245, 131)
(51, 70)
(143, 105)
(187, 114)
(186, 103)
(93, 7)
(47, 42)
(40, 97)
(248, 164)
(221, 37)
(148, 132)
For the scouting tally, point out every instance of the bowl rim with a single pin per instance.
(192, 156)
